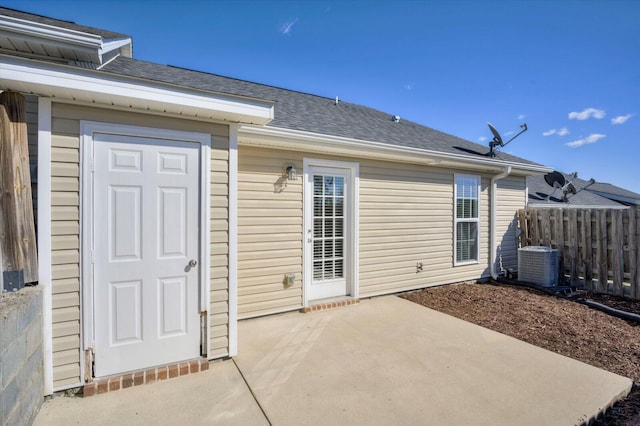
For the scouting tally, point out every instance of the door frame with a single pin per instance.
(352, 232)
(87, 130)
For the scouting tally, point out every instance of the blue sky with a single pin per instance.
(569, 69)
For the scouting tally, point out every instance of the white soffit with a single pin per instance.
(47, 40)
(72, 84)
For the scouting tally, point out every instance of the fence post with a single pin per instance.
(601, 250)
(587, 248)
(617, 251)
(634, 251)
(17, 237)
(524, 229)
(533, 226)
(559, 238)
(572, 230)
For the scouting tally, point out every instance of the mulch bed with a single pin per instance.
(555, 324)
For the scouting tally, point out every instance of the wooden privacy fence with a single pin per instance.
(597, 248)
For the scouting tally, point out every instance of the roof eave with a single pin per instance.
(282, 138)
(72, 84)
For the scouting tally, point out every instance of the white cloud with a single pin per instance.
(620, 119)
(409, 86)
(587, 113)
(482, 139)
(287, 27)
(592, 138)
(560, 132)
(509, 133)
(521, 117)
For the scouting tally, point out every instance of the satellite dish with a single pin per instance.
(555, 179)
(496, 135)
(497, 139)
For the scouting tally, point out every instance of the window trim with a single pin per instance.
(456, 220)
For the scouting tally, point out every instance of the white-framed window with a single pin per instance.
(466, 230)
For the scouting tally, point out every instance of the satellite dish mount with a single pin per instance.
(497, 139)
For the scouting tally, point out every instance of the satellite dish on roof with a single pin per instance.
(497, 139)
(496, 135)
(555, 179)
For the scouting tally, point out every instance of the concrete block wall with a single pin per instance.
(21, 356)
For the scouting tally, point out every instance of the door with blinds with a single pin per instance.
(328, 232)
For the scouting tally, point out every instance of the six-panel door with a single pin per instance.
(146, 224)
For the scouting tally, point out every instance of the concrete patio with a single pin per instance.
(384, 361)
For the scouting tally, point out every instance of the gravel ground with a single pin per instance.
(556, 324)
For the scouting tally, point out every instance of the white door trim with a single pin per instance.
(87, 130)
(233, 240)
(352, 233)
(44, 236)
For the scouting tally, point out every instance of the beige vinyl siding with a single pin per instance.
(65, 254)
(269, 232)
(511, 196)
(219, 246)
(405, 217)
(65, 225)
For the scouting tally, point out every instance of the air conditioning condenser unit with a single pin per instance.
(538, 265)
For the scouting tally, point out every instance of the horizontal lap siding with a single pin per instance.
(405, 217)
(269, 232)
(65, 251)
(65, 225)
(219, 303)
(511, 197)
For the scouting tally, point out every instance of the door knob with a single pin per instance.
(193, 263)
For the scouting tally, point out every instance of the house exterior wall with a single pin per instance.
(405, 217)
(511, 197)
(65, 240)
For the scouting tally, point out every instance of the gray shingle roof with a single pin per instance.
(311, 113)
(607, 188)
(60, 23)
(293, 110)
(540, 191)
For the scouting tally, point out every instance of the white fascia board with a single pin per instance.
(49, 32)
(116, 44)
(74, 84)
(297, 140)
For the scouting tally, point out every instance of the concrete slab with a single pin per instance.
(218, 396)
(390, 361)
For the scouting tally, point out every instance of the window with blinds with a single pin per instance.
(467, 219)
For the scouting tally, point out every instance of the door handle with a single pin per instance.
(193, 263)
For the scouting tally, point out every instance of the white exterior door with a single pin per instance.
(146, 256)
(329, 218)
